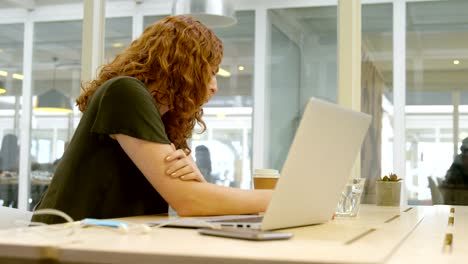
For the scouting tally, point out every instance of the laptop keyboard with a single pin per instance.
(255, 219)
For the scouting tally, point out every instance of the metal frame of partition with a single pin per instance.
(260, 118)
(24, 181)
(138, 10)
(399, 89)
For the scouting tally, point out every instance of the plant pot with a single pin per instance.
(388, 193)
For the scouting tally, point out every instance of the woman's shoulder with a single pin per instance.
(123, 86)
(120, 88)
(124, 80)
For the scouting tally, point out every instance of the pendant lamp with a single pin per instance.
(2, 87)
(212, 13)
(53, 100)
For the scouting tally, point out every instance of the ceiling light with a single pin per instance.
(117, 44)
(18, 76)
(3, 73)
(221, 115)
(2, 89)
(222, 72)
(456, 62)
(212, 13)
(53, 100)
(240, 68)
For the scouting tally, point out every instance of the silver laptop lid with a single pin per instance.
(318, 165)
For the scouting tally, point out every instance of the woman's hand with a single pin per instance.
(181, 166)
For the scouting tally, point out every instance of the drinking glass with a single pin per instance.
(350, 198)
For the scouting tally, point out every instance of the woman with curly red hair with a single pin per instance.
(129, 155)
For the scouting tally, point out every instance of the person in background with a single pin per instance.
(9, 161)
(9, 153)
(129, 154)
(203, 160)
(457, 174)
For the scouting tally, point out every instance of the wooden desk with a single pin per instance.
(426, 243)
(336, 241)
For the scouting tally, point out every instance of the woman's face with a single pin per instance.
(212, 87)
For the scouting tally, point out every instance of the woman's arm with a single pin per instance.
(189, 198)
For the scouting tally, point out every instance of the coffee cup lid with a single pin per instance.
(266, 173)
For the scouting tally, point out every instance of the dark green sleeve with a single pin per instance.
(126, 107)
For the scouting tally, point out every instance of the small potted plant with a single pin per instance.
(388, 190)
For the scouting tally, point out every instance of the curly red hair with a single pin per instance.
(176, 57)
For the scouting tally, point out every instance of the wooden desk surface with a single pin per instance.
(371, 237)
(426, 243)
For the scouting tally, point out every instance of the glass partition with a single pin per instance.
(376, 94)
(11, 84)
(302, 64)
(148, 20)
(436, 112)
(118, 36)
(229, 112)
(55, 85)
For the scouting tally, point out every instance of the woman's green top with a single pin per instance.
(95, 178)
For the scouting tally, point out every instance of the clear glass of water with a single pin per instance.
(350, 198)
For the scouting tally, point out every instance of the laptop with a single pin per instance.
(14, 218)
(318, 165)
